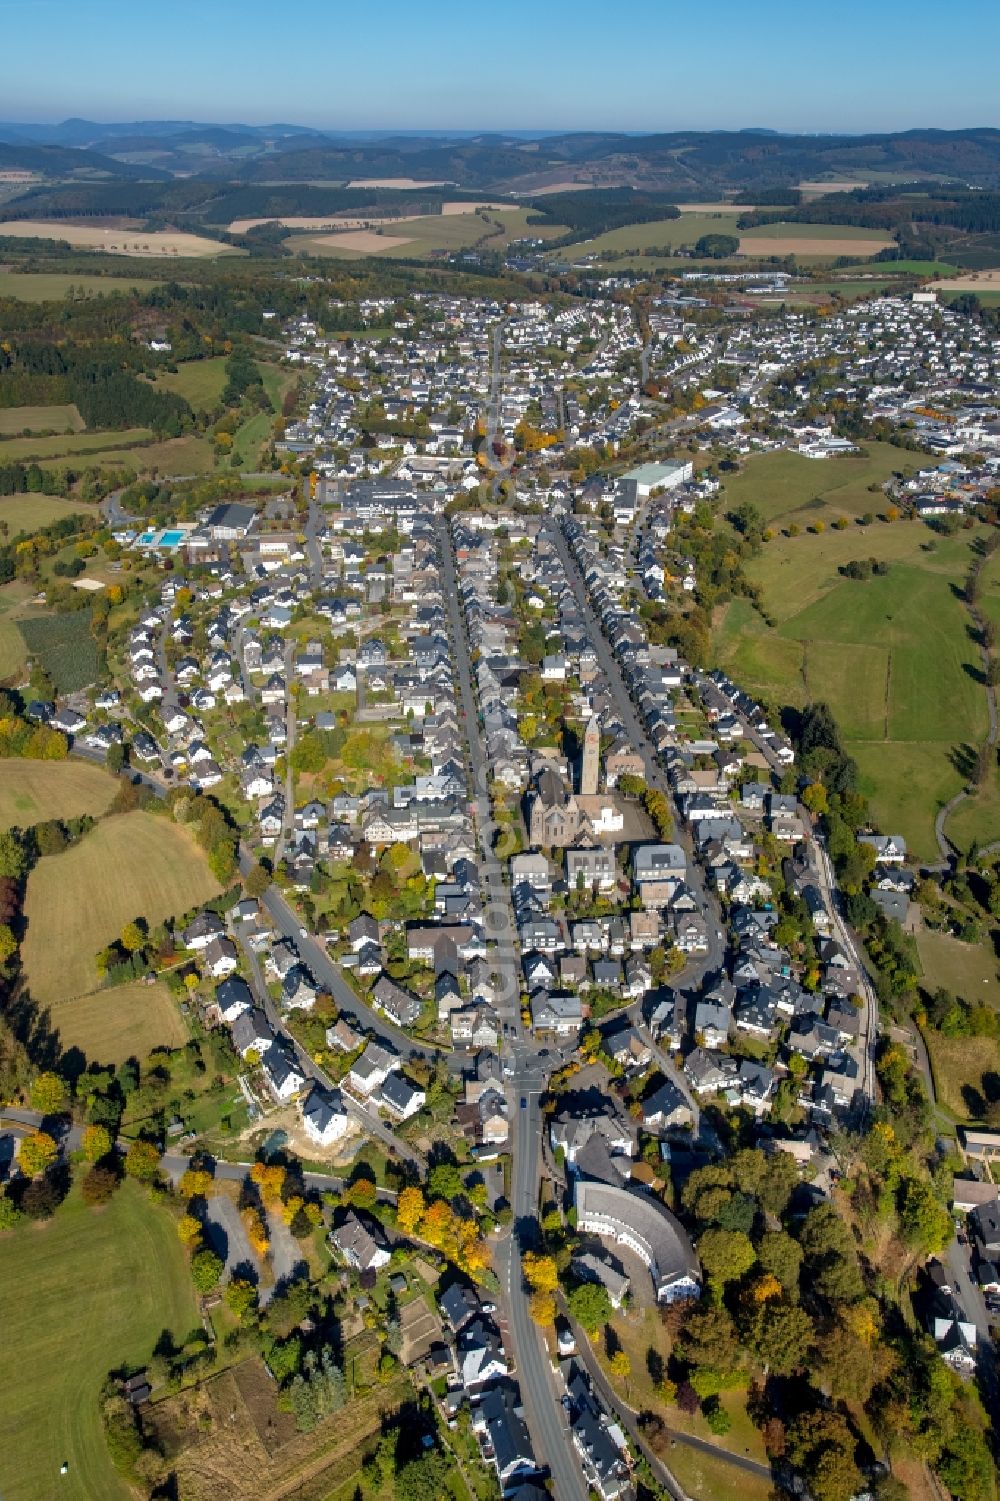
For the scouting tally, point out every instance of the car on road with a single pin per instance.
(524, 1103)
(303, 932)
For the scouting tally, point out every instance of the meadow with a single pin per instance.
(131, 865)
(79, 1296)
(966, 1069)
(124, 1021)
(200, 382)
(58, 419)
(71, 445)
(34, 791)
(26, 513)
(52, 286)
(429, 235)
(893, 655)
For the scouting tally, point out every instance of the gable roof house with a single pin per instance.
(361, 1242)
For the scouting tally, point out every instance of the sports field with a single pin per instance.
(892, 655)
(57, 419)
(132, 865)
(79, 1296)
(34, 791)
(52, 286)
(124, 1021)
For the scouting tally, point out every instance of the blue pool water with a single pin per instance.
(171, 539)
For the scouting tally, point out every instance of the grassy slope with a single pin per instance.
(33, 791)
(893, 656)
(39, 419)
(71, 444)
(27, 513)
(78, 1297)
(135, 864)
(127, 1021)
(200, 382)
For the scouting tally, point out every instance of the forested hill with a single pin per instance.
(695, 163)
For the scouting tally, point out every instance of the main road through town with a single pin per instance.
(526, 1071)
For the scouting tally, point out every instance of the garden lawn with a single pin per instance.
(123, 1021)
(131, 865)
(35, 791)
(80, 1296)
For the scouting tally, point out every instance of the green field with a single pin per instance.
(674, 233)
(34, 791)
(892, 656)
(134, 864)
(125, 1021)
(79, 1296)
(72, 445)
(26, 513)
(200, 382)
(785, 230)
(52, 286)
(56, 419)
(188, 455)
(785, 486)
(433, 233)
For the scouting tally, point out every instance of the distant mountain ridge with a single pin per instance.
(688, 163)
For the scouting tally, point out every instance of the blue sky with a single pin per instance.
(375, 64)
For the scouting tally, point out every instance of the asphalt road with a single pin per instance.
(543, 1411)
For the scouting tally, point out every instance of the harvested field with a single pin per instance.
(470, 208)
(975, 281)
(399, 182)
(330, 221)
(117, 241)
(818, 188)
(131, 865)
(34, 791)
(757, 244)
(561, 187)
(716, 208)
(125, 1021)
(364, 242)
